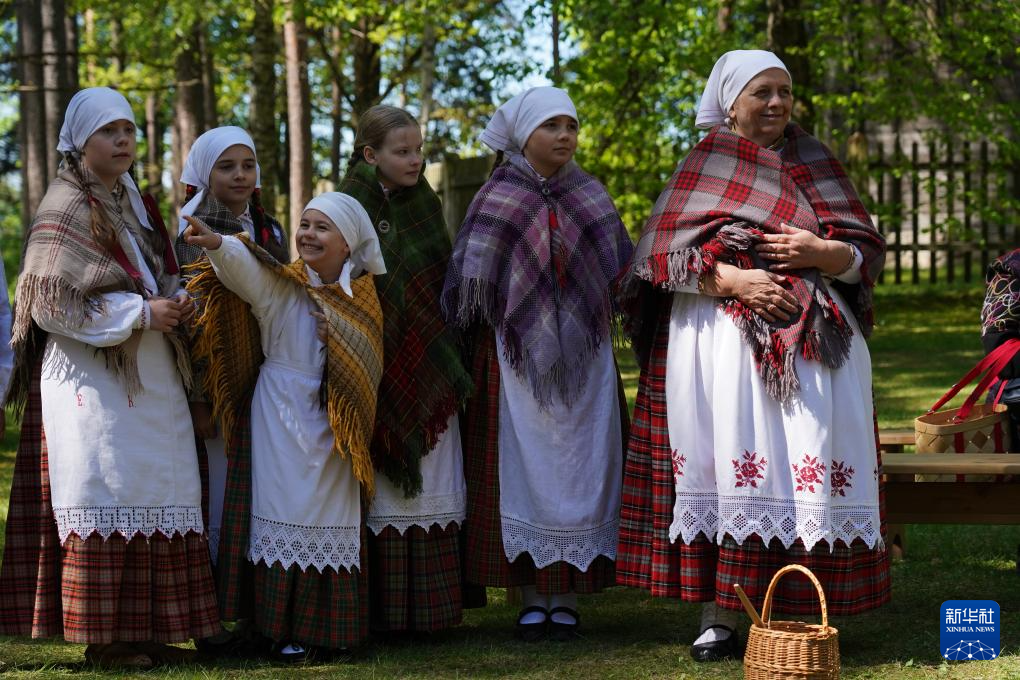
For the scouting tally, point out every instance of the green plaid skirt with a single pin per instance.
(415, 579)
(322, 609)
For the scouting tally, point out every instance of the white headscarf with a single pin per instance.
(89, 110)
(204, 153)
(729, 76)
(354, 224)
(514, 122)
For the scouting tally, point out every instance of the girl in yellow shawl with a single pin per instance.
(311, 419)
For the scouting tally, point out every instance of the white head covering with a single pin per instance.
(204, 153)
(89, 110)
(513, 123)
(354, 224)
(729, 76)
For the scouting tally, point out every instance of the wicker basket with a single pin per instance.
(974, 427)
(792, 650)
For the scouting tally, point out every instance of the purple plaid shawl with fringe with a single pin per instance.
(535, 260)
(722, 197)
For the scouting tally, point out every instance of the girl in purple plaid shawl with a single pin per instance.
(749, 298)
(531, 272)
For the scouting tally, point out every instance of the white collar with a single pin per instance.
(344, 280)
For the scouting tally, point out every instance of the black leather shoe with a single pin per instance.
(719, 650)
(563, 632)
(531, 632)
(288, 652)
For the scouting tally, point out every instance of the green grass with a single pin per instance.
(926, 339)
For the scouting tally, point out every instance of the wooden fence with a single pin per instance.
(947, 209)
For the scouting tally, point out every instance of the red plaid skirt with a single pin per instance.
(854, 577)
(234, 575)
(94, 591)
(322, 609)
(486, 562)
(415, 579)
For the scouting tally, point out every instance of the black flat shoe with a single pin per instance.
(719, 650)
(291, 652)
(531, 632)
(563, 632)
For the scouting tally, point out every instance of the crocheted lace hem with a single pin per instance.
(424, 512)
(740, 516)
(306, 546)
(577, 547)
(167, 520)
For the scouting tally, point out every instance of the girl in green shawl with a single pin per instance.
(413, 521)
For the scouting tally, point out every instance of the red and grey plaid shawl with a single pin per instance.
(722, 198)
(535, 260)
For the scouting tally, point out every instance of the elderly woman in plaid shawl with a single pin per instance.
(311, 415)
(414, 520)
(530, 278)
(1000, 321)
(749, 298)
(105, 539)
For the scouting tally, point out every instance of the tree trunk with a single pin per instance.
(208, 78)
(299, 113)
(90, 43)
(337, 112)
(262, 123)
(723, 16)
(428, 76)
(32, 105)
(117, 45)
(188, 109)
(154, 146)
(557, 76)
(367, 70)
(71, 63)
(786, 35)
(54, 76)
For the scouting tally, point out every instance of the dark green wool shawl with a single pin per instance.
(424, 381)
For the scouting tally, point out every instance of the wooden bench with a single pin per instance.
(908, 501)
(893, 441)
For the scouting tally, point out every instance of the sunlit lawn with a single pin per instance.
(926, 339)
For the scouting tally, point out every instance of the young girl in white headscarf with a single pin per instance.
(530, 279)
(311, 415)
(107, 450)
(223, 181)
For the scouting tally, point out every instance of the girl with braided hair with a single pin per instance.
(106, 503)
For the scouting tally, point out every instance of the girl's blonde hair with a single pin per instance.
(375, 124)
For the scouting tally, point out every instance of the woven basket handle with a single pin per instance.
(993, 363)
(766, 611)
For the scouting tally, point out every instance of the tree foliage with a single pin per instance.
(635, 69)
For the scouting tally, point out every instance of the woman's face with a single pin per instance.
(321, 245)
(552, 145)
(110, 151)
(232, 178)
(399, 158)
(762, 109)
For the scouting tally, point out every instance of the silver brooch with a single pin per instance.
(384, 227)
